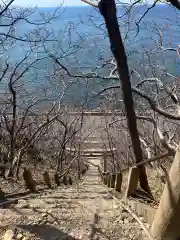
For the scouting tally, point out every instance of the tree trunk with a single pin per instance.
(63, 147)
(166, 222)
(12, 157)
(19, 161)
(4, 160)
(108, 11)
(16, 161)
(10, 171)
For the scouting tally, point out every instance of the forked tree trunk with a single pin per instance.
(15, 165)
(108, 11)
(166, 222)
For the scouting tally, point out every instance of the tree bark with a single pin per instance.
(63, 147)
(19, 161)
(108, 11)
(166, 222)
(10, 172)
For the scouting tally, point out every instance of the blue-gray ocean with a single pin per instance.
(83, 46)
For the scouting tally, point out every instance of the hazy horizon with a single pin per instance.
(48, 3)
(82, 6)
(65, 3)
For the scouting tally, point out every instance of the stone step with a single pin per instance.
(93, 145)
(88, 136)
(53, 201)
(93, 150)
(32, 216)
(9, 216)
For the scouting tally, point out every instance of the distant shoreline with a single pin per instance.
(87, 6)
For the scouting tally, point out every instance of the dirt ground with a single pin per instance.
(82, 211)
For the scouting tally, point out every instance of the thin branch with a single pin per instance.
(152, 6)
(165, 143)
(40, 128)
(147, 80)
(6, 7)
(172, 95)
(4, 72)
(27, 21)
(154, 106)
(26, 69)
(148, 150)
(108, 88)
(131, 6)
(25, 39)
(88, 75)
(69, 166)
(89, 2)
(137, 23)
(154, 159)
(25, 115)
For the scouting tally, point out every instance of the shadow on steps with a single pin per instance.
(46, 232)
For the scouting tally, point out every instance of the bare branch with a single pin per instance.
(137, 23)
(4, 72)
(131, 6)
(151, 102)
(6, 35)
(148, 9)
(88, 75)
(154, 105)
(6, 7)
(148, 150)
(91, 3)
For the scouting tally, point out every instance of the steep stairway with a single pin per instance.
(83, 211)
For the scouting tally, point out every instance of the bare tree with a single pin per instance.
(108, 11)
(24, 130)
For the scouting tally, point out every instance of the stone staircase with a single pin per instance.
(93, 145)
(81, 211)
